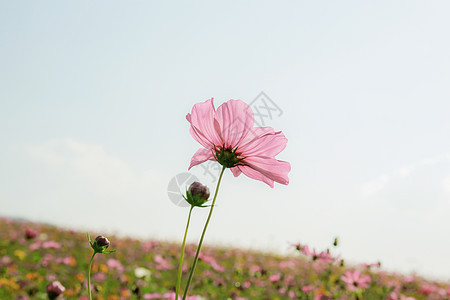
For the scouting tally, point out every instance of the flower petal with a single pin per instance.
(236, 172)
(263, 141)
(201, 156)
(202, 124)
(234, 120)
(266, 169)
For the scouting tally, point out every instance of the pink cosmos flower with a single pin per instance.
(307, 288)
(397, 296)
(162, 263)
(115, 264)
(212, 262)
(275, 277)
(355, 281)
(229, 137)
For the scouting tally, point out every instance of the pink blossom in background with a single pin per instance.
(5, 261)
(398, 296)
(228, 136)
(172, 296)
(246, 284)
(255, 269)
(427, 289)
(372, 265)
(275, 278)
(355, 280)
(162, 264)
(307, 288)
(151, 296)
(149, 245)
(51, 245)
(100, 277)
(212, 262)
(112, 263)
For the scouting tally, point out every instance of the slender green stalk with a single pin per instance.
(89, 275)
(194, 264)
(180, 267)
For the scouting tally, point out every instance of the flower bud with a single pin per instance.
(30, 233)
(54, 289)
(336, 241)
(197, 194)
(100, 244)
(101, 241)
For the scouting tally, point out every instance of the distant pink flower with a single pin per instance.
(409, 279)
(149, 245)
(212, 262)
(162, 263)
(51, 244)
(355, 281)
(5, 261)
(115, 264)
(372, 265)
(321, 296)
(307, 288)
(151, 296)
(255, 269)
(246, 284)
(172, 296)
(320, 256)
(100, 277)
(398, 296)
(229, 137)
(427, 289)
(275, 278)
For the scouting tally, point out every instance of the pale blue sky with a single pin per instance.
(93, 98)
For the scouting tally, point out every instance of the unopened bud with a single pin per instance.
(54, 289)
(197, 194)
(30, 233)
(101, 241)
(336, 242)
(100, 244)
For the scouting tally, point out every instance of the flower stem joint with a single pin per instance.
(197, 194)
(100, 244)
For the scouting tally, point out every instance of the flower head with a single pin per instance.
(355, 280)
(228, 136)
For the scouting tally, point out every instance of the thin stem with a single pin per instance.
(89, 275)
(180, 267)
(194, 264)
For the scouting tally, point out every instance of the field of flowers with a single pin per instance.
(34, 256)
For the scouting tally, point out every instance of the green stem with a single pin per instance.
(89, 275)
(180, 267)
(194, 264)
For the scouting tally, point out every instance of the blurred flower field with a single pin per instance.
(32, 256)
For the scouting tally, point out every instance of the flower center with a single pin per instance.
(227, 157)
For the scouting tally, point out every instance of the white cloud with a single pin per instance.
(107, 173)
(423, 185)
